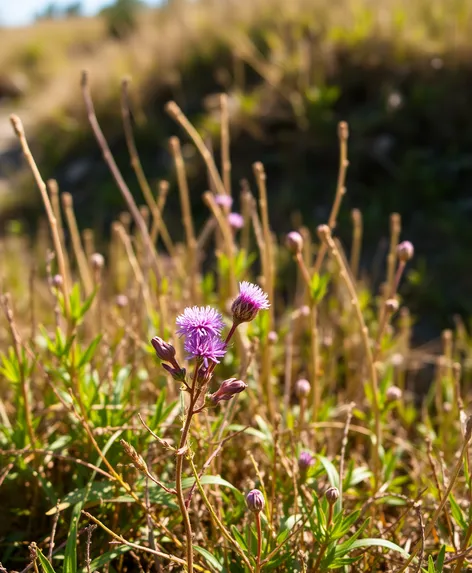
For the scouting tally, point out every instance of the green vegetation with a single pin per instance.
(325, 457)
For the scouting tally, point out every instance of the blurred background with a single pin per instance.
(399, 71)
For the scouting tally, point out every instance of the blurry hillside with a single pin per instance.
(399, 71)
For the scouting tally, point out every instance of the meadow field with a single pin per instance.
(200, 370)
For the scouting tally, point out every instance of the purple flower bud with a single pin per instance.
(57, 281)
(164, 350)
(332, 495)
(391, 305)
(405, 251)
(273, 337)
(227, 390)
(305, 461)
(248, 303)
(302, 388)
(97, 261)
(393, 393)
(255, 501)
(178, 374)
(121, 301)
(236, 221)
(294, 242)
(224, 200)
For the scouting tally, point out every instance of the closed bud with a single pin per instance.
(294, 242)
(178, 374)
(323, 232)
(255, 501)
(332, 495)
(272, 337)
(405, 251)
(164, 350)
(393, 393)
(57, 281)
(227, 390)
(121, 301)
(391, 305)
(97, 261)
(137, 460)
(302, 388)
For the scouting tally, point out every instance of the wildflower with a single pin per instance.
(201, 320)
(57, 281)
(236, 221)
(391, 305)
(393, 393)
(294, 242)
(305, 461)
(255, 501)
(97, 261)
(224, 200)
(405, 251)
(272, 337)
(248, 303)
(227, 390)
(121, 301)
(302, 388)
(332, 495)
(205, 346)
(164, 350)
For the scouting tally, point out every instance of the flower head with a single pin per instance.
(294, 242)
(302, 388)
(236, 221)
(405, 251)
(305, 461)
(255, 501)
(201, 320)
(332, 495)
(227, 390)
(249, 302)
(224, 200)
(205, 346)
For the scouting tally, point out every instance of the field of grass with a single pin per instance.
(139, 433)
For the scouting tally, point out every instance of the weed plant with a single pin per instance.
(167, 407)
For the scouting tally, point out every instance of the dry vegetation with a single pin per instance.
(109, 458)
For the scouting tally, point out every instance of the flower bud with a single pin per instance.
(121, 301)
(273, 337)
(236, 221)
(323, 232)
(164, 350)
(294, 242)
(393, 393)
(305, 461)
(227, 390)
(97, 261)
(57, 281)
(405, 251)
(137, 460)
(391, 305)
(178, 374)
(332, 495)
(255, 501)
(302, 388)
(224, 200)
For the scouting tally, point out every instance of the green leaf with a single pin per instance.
(209, 558)
(440, 559)
(457, 513)
(47, 567)
(89, 352)
(70, 555)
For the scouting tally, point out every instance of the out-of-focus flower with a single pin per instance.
(405, 251)
(332, 495)
(97, 260)
(121, 301)
(305, 461)
(57, 281)
(236, 221)
(302, 388)
(224, 200)
(393, 393)
(294, 242)
(249, 302)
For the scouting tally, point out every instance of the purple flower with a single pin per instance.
(224, 200)
(236, 221)
(248, 303)
(202, 320)
(206, 346)
(305, 461)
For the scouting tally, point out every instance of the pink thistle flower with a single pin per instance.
(205, 346)
(201, 320)
(248, 303)
(224, 200)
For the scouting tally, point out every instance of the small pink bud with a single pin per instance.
(332, 495)
(227, 390)
(164, 350)
(405, 251)
(302, 388)
(255, 501)
(294, 242)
